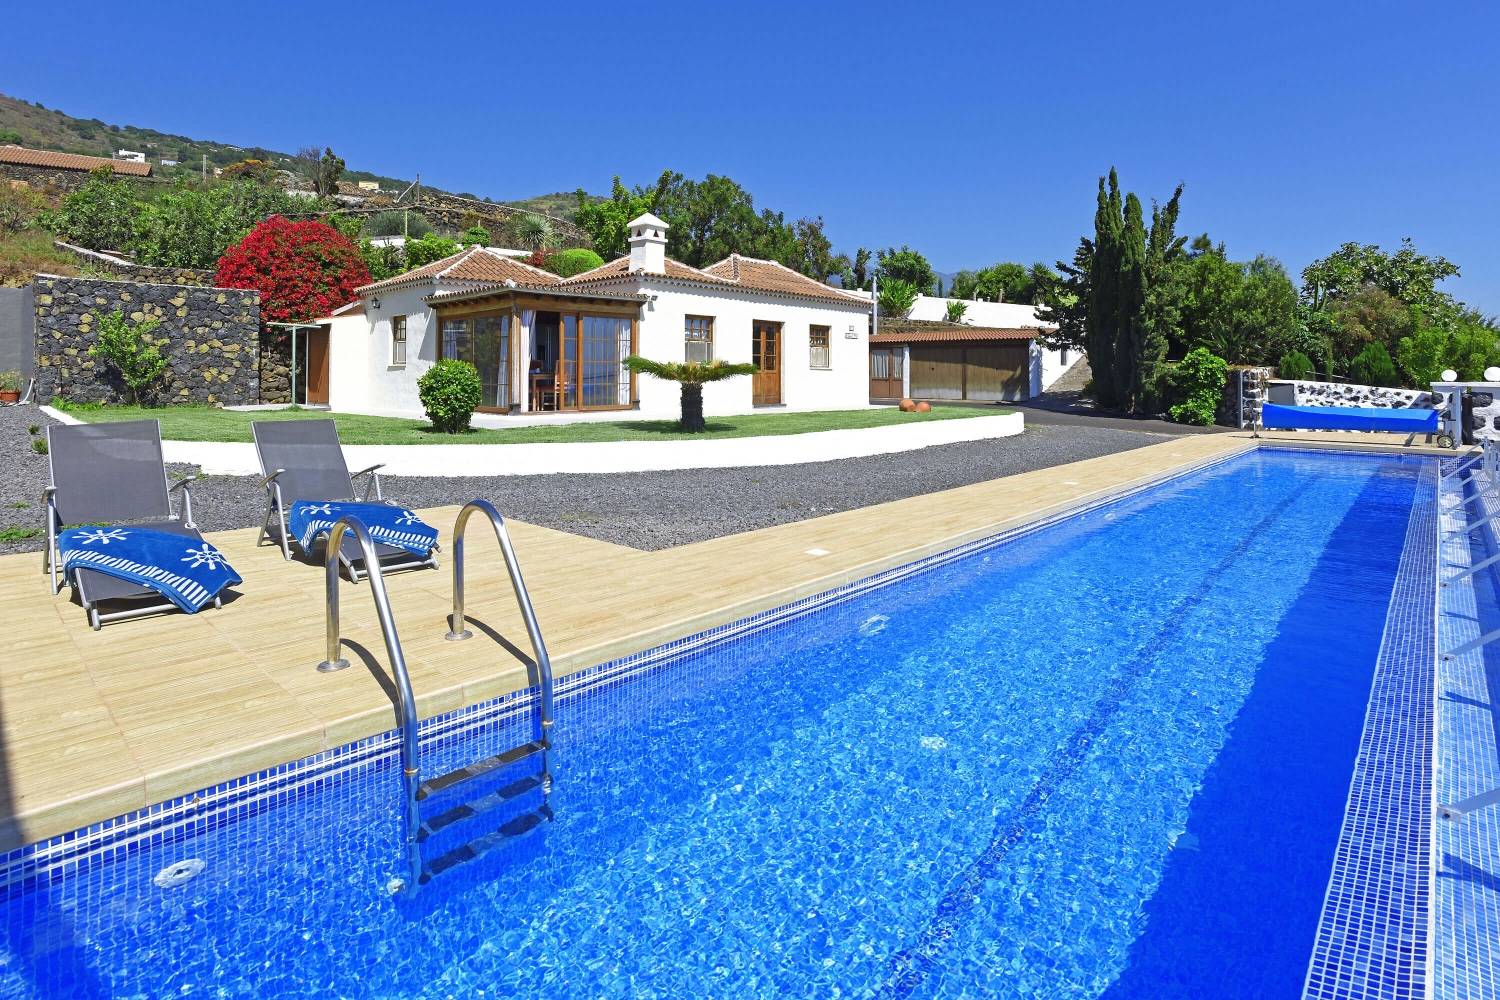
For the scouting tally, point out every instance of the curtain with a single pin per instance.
(527, 335)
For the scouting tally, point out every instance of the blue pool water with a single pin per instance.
(1107, 758)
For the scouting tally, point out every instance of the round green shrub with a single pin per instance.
(1295, 366)
(1373, 366)
(450, 392)
(1198, 383)
(566, 263)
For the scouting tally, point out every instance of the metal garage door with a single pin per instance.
(977, 372)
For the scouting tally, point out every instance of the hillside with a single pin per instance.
(31, 124)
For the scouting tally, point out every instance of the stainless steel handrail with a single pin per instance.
(406, 703)
(456, 622)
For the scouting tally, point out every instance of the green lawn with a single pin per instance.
(205, 423)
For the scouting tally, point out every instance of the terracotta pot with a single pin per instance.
(924, 407)
(9, 395)
(908, 406)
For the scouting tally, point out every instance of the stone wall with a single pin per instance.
(1341, 394)
(120, 267)
(210, 336)
(54, 180)
(1245, 390)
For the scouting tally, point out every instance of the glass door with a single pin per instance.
(484, 342)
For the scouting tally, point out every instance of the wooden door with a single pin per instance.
(765, 354)
(886, 374)
(317, 367)
(937, 372)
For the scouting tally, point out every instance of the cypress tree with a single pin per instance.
(1132, 333)
(1101, 320)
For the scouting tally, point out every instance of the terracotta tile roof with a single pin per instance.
(479, 265)
(46, 158)
(911, 331)
(620, 268)
(770, 276)
(748, 273)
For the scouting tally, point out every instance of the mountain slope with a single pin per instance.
(31, 124)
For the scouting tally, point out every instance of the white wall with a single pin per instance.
(844, 385)
(361, 376)
(362, 379)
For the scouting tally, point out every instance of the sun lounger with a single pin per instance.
(303, 462)
(108, 475)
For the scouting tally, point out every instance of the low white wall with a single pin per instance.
(220, 458)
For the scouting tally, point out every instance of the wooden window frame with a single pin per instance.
(398, 323)
(812, 346)
(708, 339)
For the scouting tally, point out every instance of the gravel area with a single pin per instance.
(24, 477)
(645, 510)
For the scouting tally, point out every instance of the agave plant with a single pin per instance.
(534, 232)
(691, 375)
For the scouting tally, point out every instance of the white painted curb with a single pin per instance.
(233, 459)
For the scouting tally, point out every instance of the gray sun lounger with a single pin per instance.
(108, 474)
(303, 460)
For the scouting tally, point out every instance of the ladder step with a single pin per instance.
(484, 804)
(522, 824)
(479, 768)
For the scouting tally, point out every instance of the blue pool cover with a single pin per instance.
(1275, 416)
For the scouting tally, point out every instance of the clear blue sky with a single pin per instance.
(975, 133)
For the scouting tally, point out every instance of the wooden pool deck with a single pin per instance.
(96, 724)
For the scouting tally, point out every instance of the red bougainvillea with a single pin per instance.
(302, 270)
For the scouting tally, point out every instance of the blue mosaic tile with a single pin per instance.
(1372, 941)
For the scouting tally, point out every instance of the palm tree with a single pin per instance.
(691, 375)
(534, 232)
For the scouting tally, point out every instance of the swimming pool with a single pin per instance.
(1107, 757)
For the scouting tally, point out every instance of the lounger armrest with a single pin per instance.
(374, 473)
(187, 498)
(266, 482)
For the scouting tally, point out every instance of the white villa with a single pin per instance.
(549, 344)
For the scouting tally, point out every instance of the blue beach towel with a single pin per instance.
(187, 571)
(386, 523)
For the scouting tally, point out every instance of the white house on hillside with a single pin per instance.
(544, 343)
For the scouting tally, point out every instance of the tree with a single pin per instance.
(19, 208)
(302, 270)
(1294, 366)
(906, 265)
(814, 251)
(326, 173)
(608, 222)
(896, 296)
(1372, 366)
(860, 269)
(1406, 275)
(129, 348)
(397, 222)
(1065, 302)
(259, 171)
(100, 214)
(1131, 311)
(1198, 384)
(1004, 282)
(692, 376)
(475, 236)
(427, 249)
(191, 226)
(1368, 315)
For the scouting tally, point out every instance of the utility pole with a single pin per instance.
(204, 168)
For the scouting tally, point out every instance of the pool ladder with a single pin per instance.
(417, 830)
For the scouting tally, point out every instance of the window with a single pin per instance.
(817, 339)
(698, 338)
(398, 340)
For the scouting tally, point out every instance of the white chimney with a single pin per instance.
(648, 244)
